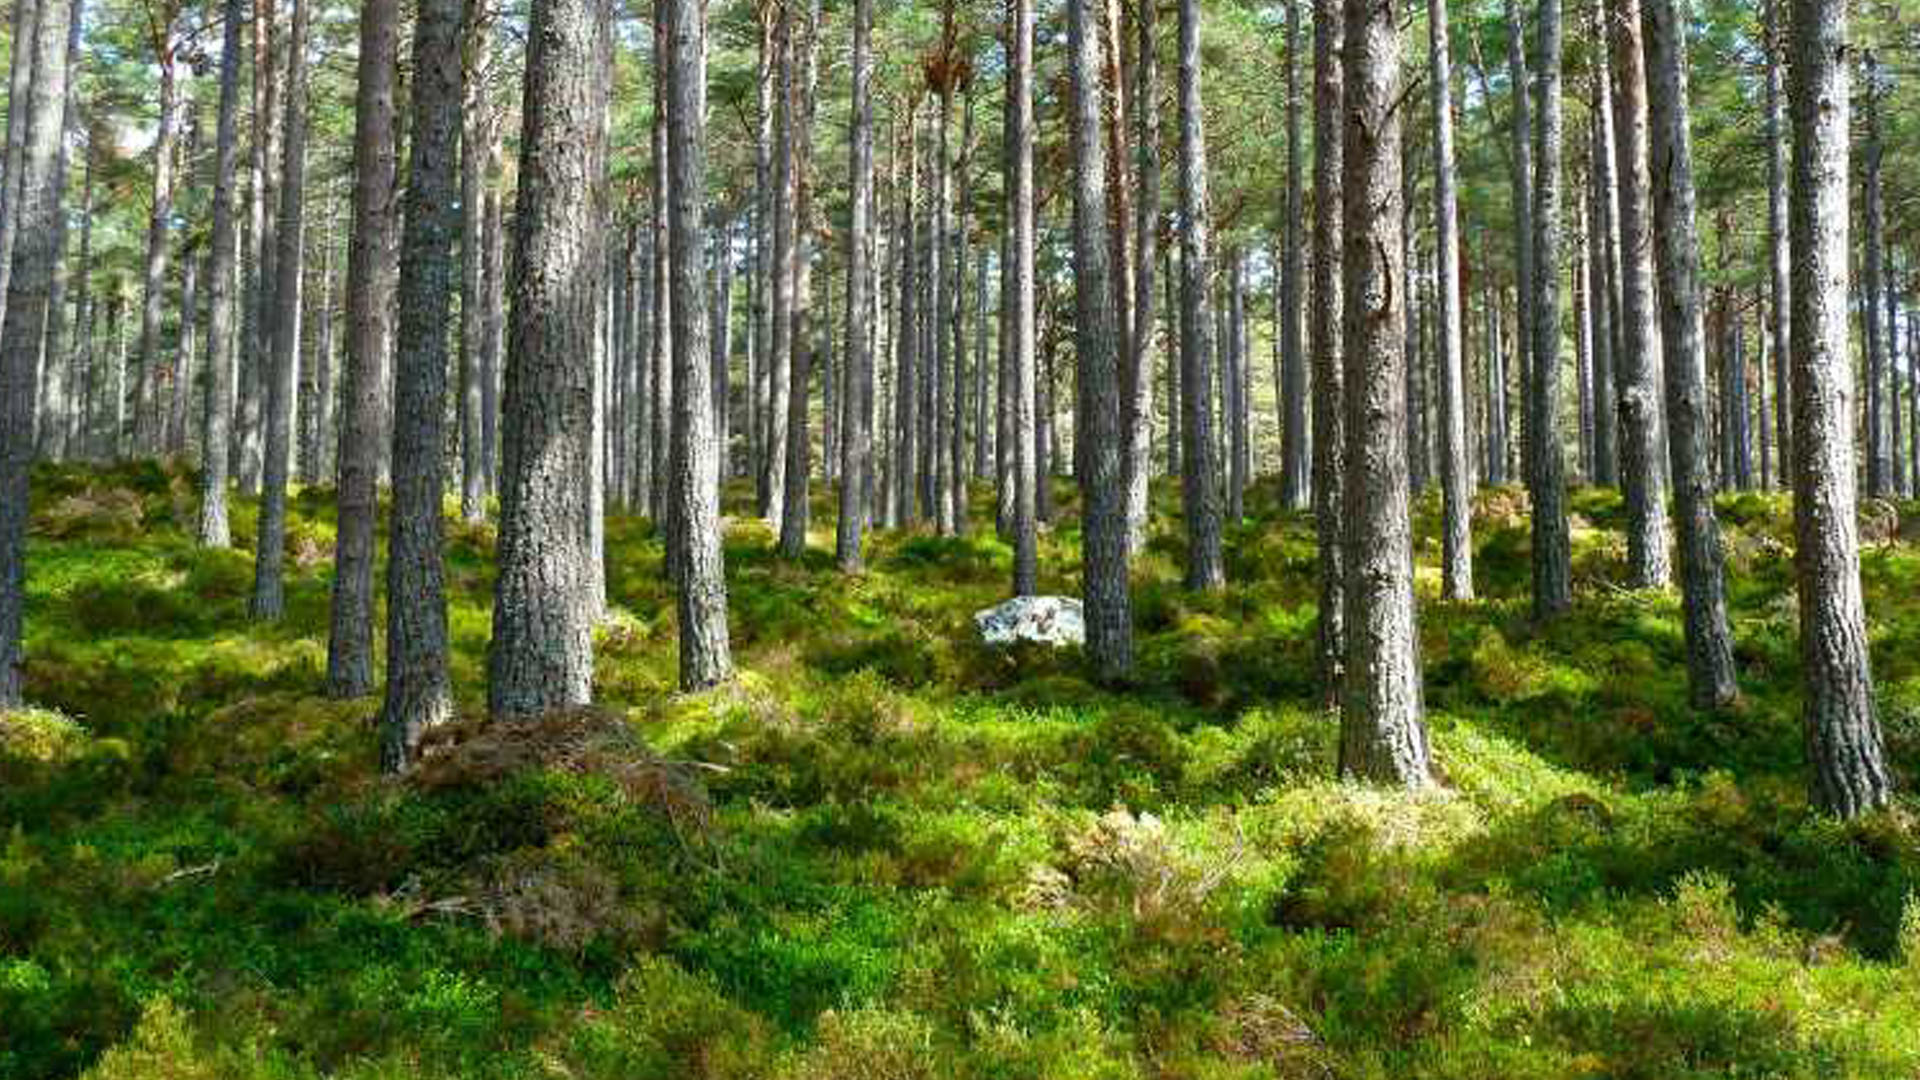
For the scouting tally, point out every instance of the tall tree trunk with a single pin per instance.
(1324, 330)
(542, 652)
(780, 366)
(1382, 732)
(907, 346)
(1200, 492)
(1603, 257)
(1137, 382)
(152, 381)
(1710, 674)
(419, 695)
(1017, 290)
(57, 411)
(796, 506)
(1292, 378)
(856, 446)
(705, 656)
(1552, 542)
(1103, 544)
(173, 439)
(1779, 260)
(473, 168)
(765, 264)
(350, 637)
(1521, 131)
(1457, 534)
(1234, 377)
(659, 406)
(1849, 773)
(19, 95)
(1874, 288)
(269, 585)
(1639, 375)
(492, 356)
(24, 329)
(260, 279)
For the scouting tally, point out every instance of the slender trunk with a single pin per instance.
(269, 585)
(856, 446)
(780, 365)
(419, 694)
(19, 95)
(1137, 387)
(795, 506)
(1603, 255)
(153, 383)
(1291, 379)
(1521, 130)
(1552, 542)
(1206, 567)
(1642, 478)
(473, 165)
(1382, 732)
(1873, 288)
(542, 652)
(1103, 544)
(56, 392)
(705, 656)
(1456, 538)
(1779, 258)
(1324, 330)
(1849, 773)
(24, 327)
(1018, 290)
(1710, 674)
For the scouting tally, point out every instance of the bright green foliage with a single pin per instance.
(888, 852)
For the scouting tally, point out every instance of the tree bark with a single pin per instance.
(153, 383)
(1457, 534)
(57, 409)
(1018, 292)
(1324, 330)
(795, 506)
(1382, 733)
(1137, 385)
(1710, 673)
(1848, 773)
(1873, 287)
(1642, 478)
(1779, 256)
(1103, 544)
(705, 655)
(856, 446)
(269, 585)
(23, 329)
(1200, 492)
(1552, 542)
(780, 356)
(473, 168)
(1521, 130)
(1292, 378)
(1603, 258)
(419, 694)
(350, 636)
(541, 657)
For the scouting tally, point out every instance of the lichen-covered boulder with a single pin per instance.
(1044, 620)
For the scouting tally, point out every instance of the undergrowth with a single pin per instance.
(890, 852)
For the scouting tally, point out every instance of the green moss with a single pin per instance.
(889, 851)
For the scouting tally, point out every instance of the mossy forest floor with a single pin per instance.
(889, 852)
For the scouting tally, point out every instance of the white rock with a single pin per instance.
(1045, 620)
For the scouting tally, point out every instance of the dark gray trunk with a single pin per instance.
(350, 627)
(705, 656)
(1546, 472)
(1382, 732)
(154, 383)
(1103, 544)
(23, 330)
(269, 585)
(1017, 290)
(1710, 673)
(1642, 477)
(473, 332)
(1521, 133)
(1324, 330)
(1200, 492)
(856, 446)
(1456, 532)
(541, 657)
(1873, 287)
(1291, 379)
(1848, 770)
(419, 695)
(1779, 261)
(56, 392)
